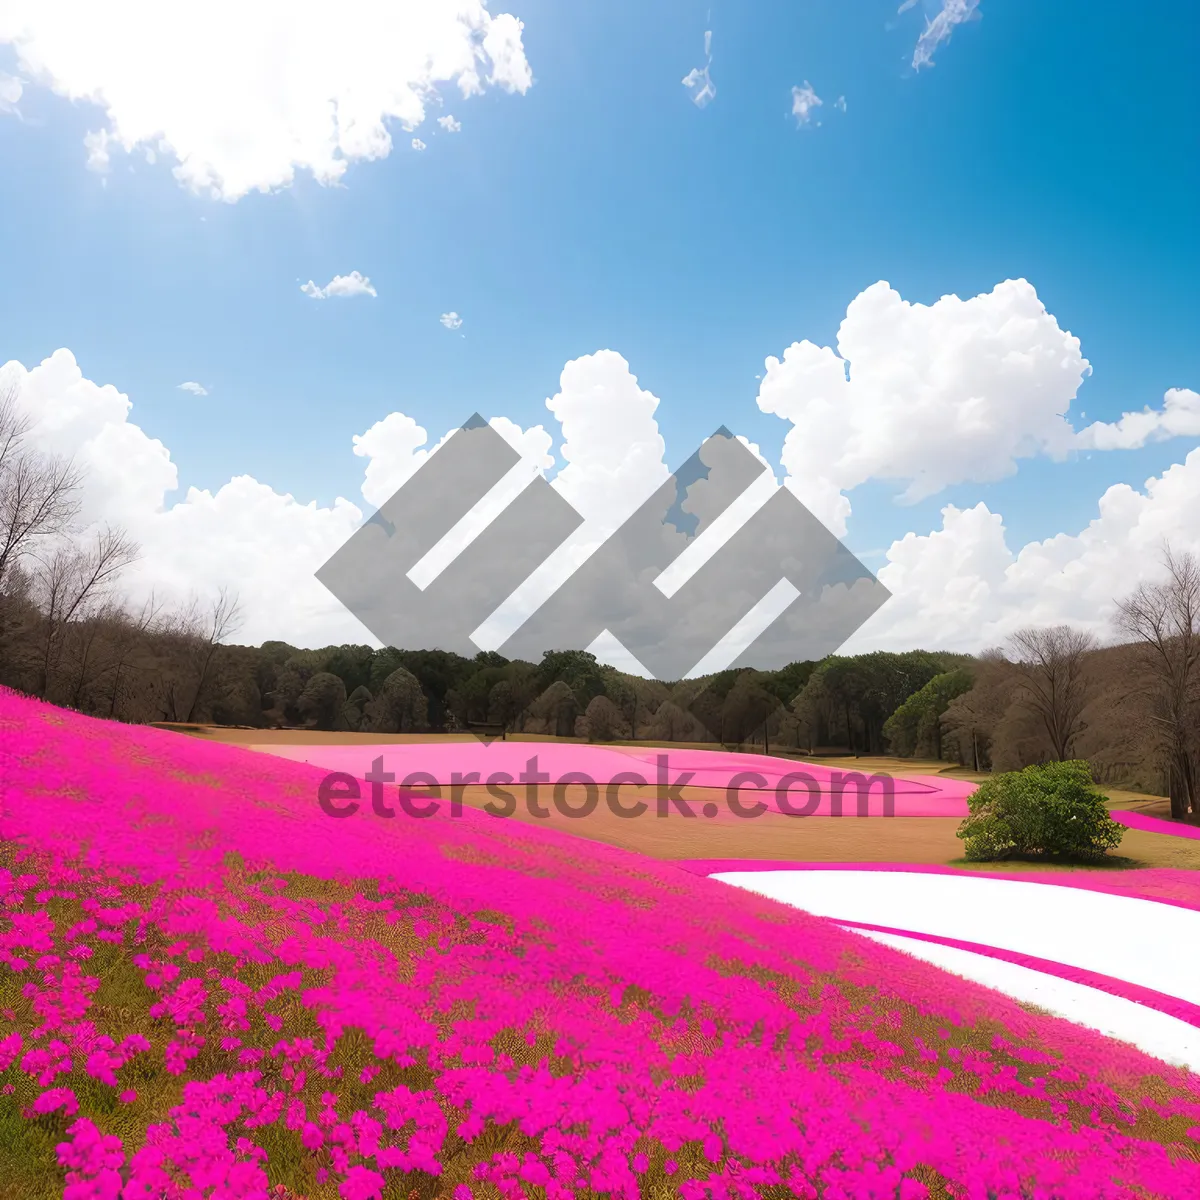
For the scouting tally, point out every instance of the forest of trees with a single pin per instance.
(1131, 709)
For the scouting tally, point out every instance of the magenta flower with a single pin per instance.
(361, 1184)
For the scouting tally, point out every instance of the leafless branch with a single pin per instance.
(1052, 664)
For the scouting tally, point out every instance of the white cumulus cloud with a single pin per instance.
(262, 544)
(396, 446)
(242, 96)
(613, 451)
(805, 102)
(417, 144)
(451, 320)
(1178, 417)
(960, 586)
(963, 587)
(196, 389)
(925, 395)
(614, 459)
(929, 396)
(450, 124)
(937, 31)
(266, 545)
(354, 284)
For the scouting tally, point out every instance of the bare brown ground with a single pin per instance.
(771, 837)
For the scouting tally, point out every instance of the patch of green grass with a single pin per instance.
(29, 1167)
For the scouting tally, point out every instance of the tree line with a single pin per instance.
(1131, 709)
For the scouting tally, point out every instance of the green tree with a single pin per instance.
(1049, 810)
(747, 710)
(671, 723)
(787, 682)
(489, 658)
(351, 664)
(502, 704)
(915, 728)
(474, 694)
(399, 705)
(384, 662)
(521, 678)
(276, 652)
(355, 707)
(637, 698)
(438, 672)
(858, 694)
(578, 669)
(603, 721)
(556, 709)
(323, 700)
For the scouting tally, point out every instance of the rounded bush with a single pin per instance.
(1050, 810)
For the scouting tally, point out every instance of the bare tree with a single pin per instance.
(1053, 679)
(206, 633)
(38, 492)
(103, 647)
(72, 583)
(1164, 618)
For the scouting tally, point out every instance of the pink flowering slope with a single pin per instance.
(210, 990)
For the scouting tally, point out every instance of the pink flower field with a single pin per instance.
(209, 989)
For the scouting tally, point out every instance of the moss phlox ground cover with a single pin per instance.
(209, 989)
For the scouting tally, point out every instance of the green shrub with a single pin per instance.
(1051, 810)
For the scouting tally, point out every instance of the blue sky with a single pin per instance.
(603, 209)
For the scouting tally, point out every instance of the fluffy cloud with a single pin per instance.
(934, 395)
(937, 31)
(962, 587)
(614, 453)
(614, 459)
(449, 124)
(804, 103)
(189, 81)
(417, 144)
(353, 284)
(262, 544)
(503, 47)
(1179, 417)
(451, 320)
(927, 395)
(396, 446)
(698, 81)
(196, 389)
